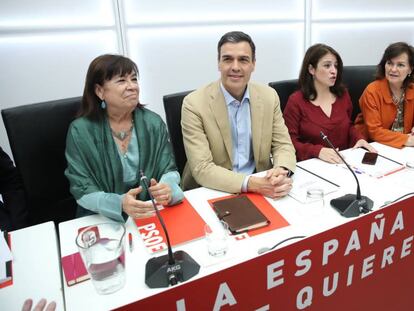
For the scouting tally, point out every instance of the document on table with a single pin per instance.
(383, 167)
(304, 180)
(5, 256)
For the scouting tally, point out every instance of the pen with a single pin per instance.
(131, 246)
(394, 171)
(354, 169)
(357, 170)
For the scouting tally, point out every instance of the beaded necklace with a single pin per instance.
(122, 135)
(398, 124)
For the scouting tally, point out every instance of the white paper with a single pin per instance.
(303, 180)
(382, 167)
(2, 271)
(5, 253)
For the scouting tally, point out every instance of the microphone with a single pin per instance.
(168, 269)
(349, 205)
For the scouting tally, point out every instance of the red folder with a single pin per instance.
(183, 224)
(276, 219)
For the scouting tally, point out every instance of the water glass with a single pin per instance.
(315, 200)
(410, 165)
(217, 238)
(102, 248)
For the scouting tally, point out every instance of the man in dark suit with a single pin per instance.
(13, 211)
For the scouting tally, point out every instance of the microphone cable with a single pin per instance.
(396, 200)
(266, 249)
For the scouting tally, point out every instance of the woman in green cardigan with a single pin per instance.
(112, 140)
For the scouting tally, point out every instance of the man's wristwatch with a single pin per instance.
(290, 173)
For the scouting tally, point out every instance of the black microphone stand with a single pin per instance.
(349, 205)
(172, 268)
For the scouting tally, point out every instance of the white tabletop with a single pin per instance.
(401, 155)
(36, 268)
(302, 222)
(81, 296)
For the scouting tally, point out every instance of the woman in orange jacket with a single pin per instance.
(387, 104)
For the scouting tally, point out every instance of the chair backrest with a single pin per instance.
(172, 107)
(37, 136)
(356, 78)
(284, 89)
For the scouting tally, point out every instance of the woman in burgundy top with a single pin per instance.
(321, 104)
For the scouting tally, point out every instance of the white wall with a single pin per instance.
(46, 46)
(361, 30)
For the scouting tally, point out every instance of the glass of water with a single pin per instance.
(102, 248)
(315, 200)
(217, 237)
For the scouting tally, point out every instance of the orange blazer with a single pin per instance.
(379, 111)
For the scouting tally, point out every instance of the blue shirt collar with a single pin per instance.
(228, 98)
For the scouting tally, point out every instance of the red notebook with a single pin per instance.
(9, 268)
(74, 269)
(276, 220)
(183, 224)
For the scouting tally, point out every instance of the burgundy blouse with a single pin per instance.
(305, 121)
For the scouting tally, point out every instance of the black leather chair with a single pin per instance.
(172, 107)
(37, 136)
(356, 78)
(284, 89)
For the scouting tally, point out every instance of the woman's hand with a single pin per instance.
(410, 140)
(363, 143)
(40, 306)
(161, 192)
(136, 208)
(329, 155)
